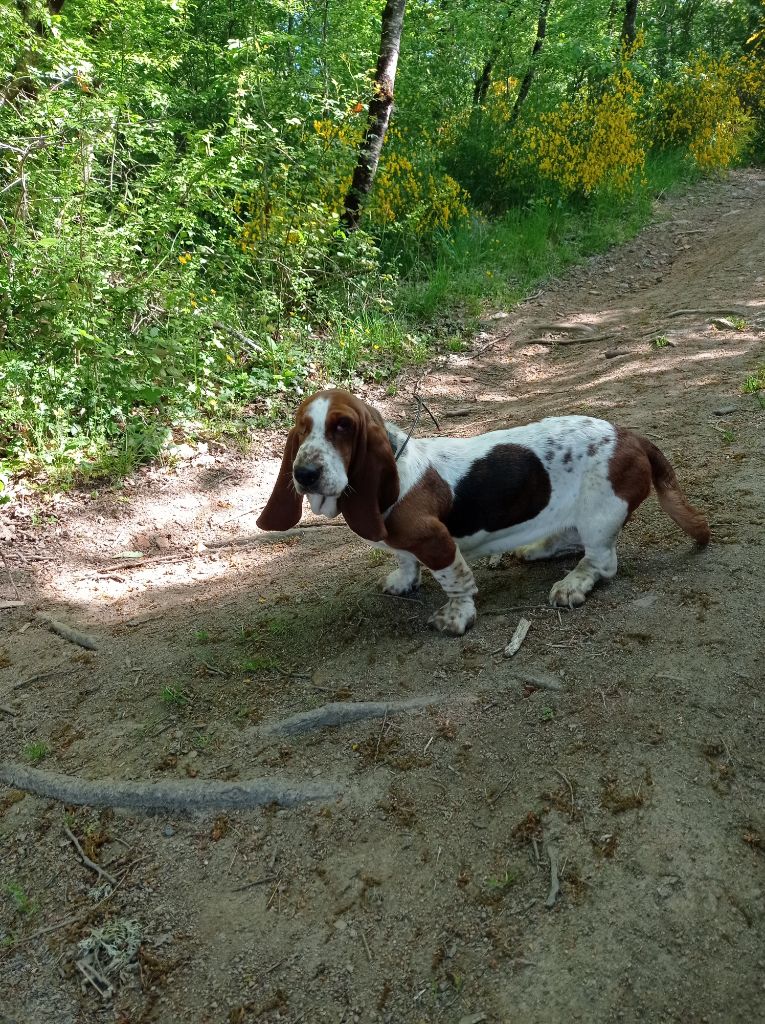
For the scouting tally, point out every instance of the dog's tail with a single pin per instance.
(671, 498)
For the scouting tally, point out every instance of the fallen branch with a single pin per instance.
(6, 709)
(74, 636)
(343, 713)
(539, 680)
(12, 604)
(552, 896)
(86, 860)
(220, 326)
(171, 795)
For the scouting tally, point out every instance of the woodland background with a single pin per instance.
(173, 176)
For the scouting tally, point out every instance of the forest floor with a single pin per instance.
(423, 892)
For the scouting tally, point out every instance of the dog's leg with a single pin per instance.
(599, 529)
(458, 614)
(557, 544)
(405, 579)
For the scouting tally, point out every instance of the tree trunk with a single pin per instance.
(482, 83)
(628, 25)
(380, 108)
(528, 78)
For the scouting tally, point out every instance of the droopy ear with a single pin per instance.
(285, 506)
(372, 480)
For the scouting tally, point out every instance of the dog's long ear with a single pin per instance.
(285, 506)
(372, 479)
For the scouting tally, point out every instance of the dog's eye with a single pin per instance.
(343, 425)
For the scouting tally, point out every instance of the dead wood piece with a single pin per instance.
(86, 860)
(540, 681)
(552, 896)
(343, 713)
(12, 604)
(615, 353)
(8, 710)
(74, 636)
(517, 639)
(171, 795)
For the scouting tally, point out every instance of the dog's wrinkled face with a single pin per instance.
(326, 433)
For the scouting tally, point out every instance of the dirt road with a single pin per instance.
(423, 893)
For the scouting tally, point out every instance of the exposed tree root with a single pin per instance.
(171, 795)
(343, 713)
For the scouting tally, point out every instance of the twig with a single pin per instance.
(74, 636)
(570, 788)
(220, 326)
(215, 671)
(87, 861)
(171, 795)
(366, 947)
(552, 896)
(379, 738)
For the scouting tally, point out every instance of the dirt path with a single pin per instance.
(422, 894)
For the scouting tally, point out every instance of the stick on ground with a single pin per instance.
(74, 636)
(552, 896)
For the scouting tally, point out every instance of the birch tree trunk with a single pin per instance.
(380, 109)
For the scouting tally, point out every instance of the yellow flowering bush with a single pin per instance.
(702, 111)
(424, 197)
(588, 144)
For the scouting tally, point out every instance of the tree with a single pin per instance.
(528, 78)
(629, 32)
(380, 109)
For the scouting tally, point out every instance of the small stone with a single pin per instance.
(724, 410)
(168, 831)
(647, 601)
(722, 324)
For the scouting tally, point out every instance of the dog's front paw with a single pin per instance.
(399, 583)
(568, 593)
(456, 616)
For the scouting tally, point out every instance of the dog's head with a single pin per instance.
(338, 450)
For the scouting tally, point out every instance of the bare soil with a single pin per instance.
(423, 893)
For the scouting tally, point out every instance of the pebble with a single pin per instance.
(724, 410)
(168, 831)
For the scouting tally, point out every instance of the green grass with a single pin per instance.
(36, 752)
(755, 382)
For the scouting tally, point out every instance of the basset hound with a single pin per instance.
(565, 483)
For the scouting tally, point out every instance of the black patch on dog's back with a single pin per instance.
(508, 486)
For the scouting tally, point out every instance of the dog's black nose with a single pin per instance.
(307, 476)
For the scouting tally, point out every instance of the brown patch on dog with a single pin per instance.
(635, 464)
(415, 524)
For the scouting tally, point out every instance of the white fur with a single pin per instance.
(317, 450)
(583, 510)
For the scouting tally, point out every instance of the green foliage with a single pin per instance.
(172, 176)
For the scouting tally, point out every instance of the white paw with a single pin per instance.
(456, 616)
(568, 593)
(495, 561)
(399, 583)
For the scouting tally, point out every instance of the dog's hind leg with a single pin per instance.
(598, 528)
